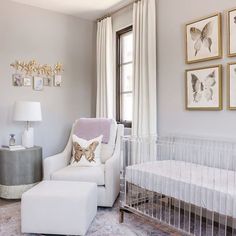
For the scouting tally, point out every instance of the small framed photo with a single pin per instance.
(231, 72)
(232, 33)
(204, 39)
(57, 80)
(204, 88)
(47, 81)
(38, 83)
(17, 80)
(27, 81)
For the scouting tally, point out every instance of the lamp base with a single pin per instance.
(28, 138)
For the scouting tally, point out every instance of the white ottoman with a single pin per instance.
(59, 207)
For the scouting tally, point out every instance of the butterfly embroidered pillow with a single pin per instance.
(86, 152)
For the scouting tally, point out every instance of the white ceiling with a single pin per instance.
(87, 9)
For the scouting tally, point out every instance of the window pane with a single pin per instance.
(126, 77)
(126, 107)
(127, 47)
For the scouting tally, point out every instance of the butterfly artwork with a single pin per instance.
(203, 39)
(231, 67)
(231, 33)
(203, 88)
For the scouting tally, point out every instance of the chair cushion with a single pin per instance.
(108, 149)
(93, 174)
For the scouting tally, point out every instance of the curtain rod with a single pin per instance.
(114, 12)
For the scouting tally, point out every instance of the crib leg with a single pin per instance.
(121, 219)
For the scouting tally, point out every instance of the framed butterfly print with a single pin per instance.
(204, 88)
(204, 39)
(232, 33)
(231, 72)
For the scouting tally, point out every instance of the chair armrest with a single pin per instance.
(57, 162)
(112, 176)
(52, 164)
(112, 170)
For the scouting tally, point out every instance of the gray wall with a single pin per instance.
(31, 33)
(172, 116)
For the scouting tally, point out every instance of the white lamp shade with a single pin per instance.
(27, 111)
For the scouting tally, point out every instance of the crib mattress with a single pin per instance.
(207, 187)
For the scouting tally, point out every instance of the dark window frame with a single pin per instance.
(119, 33)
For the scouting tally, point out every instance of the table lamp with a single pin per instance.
(27, 112)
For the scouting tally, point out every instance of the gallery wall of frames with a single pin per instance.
(33, 74)
(203, 43)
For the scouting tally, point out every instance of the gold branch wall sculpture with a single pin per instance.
(33, 67)
(36, 74)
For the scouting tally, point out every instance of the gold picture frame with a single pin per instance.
(17, 80)
(27, 81)
(204, 83)
(57, 80)
(194, 38)
(231, 106)
(229, 33)
(47, 81)
(38, 83)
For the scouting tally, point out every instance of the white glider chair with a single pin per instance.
(106, 176)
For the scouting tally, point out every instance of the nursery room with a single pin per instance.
(117, 117)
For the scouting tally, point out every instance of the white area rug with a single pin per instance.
(106, 223)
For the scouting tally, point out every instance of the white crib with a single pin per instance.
(188, 183)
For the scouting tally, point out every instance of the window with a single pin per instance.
(124, 83)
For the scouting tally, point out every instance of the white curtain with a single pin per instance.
(105, 83)
(144, 69)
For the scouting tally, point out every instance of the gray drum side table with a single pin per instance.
(19, 171)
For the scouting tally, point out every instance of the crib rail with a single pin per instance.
(187, 183)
